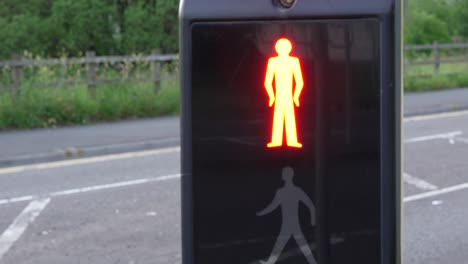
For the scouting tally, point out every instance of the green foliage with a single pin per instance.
(435, 82)
(20, 33)
(13, 8)
(10, 8)
(461, 16)
(148, 26)
(54, 27)
(72, 105)
(83, 25)
(423, 77)
(167, 24)
(143, 35)
(427, 21)
(426, 28)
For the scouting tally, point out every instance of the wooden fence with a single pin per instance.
(437, 58)
(91, 62)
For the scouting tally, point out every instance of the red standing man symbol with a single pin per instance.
(285, 70)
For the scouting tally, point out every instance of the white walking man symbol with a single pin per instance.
(288, 198)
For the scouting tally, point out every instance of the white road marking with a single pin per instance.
(411, 198)
(65, 163)
(19, 225)
(17, 200)
(151, 214)
(434, 193)
(115, 185)
(94, 188)
(418, 183)
(436, 116)
(449, 135)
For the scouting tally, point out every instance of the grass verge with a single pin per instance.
(435, 82)
(426, 78)
(49, 107)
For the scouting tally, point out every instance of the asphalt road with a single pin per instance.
(125, 208)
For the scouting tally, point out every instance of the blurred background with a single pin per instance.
(89, 132)
(73, 62)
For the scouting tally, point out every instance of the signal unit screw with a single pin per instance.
(287, 3)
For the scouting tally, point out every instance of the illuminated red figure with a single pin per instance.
(284, 69)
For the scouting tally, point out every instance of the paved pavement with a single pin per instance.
(435, 101)
(435, 211)
(125, 208)
(44, 145)
(121, 219)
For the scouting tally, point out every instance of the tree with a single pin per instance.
(168, 24)
(18, 34)
(10, 8)
(150, 25)
(425, 28)
(462, 7)
(54, 27)
(431, 20)
(139, 30)
(83, 25)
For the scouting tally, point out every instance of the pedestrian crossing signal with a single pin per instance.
(290, 124)
(284, 70)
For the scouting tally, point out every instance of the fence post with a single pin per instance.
(17, 77)
(156, 66)
(436, 51)
(91, 65)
